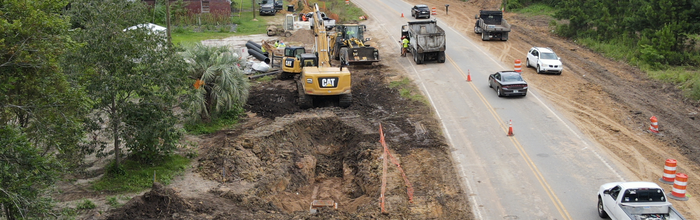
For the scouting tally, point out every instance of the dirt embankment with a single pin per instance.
(281, 158)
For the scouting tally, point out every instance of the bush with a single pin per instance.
(86, 204)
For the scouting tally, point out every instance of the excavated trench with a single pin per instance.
(300, 158)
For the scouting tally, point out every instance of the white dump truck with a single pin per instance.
(635, 201)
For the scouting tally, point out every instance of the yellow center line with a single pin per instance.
(540, 178)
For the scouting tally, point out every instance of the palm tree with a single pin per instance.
(220, 85)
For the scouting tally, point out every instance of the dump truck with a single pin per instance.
(635, 201)
(491, 25)
(349, 45)
(426, 40)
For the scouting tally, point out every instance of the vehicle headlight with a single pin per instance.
(309, 80)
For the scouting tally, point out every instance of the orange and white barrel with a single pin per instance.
(518, 66)
(434, 11)
(679, 187)
(654, 127)
(669, 171)
(347, 2)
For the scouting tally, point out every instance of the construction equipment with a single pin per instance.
(285, 29)
(426, 40)
(351, 47)
(293, 60)
(491, 25)
(322, 79)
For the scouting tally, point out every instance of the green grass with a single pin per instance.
(246, 26)
(223, 121)
(86, 204)
(266, 78)
(686, 78)
(138, 176)
(113, 201)
(537, 9)
(345, 12)
(408, 90)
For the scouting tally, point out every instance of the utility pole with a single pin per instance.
(167, 22)
(253, 9)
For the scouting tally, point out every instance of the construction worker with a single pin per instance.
(277, 44)
(404, 49)
(350, 33)
(262, 48)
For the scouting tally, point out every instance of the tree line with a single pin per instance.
(75, 81)
(660, 32)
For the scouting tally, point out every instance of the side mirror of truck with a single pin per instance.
(476, 16)
(607, 191)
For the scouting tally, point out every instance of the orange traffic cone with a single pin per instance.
(469, 76)
(510, 128)
(402, 15)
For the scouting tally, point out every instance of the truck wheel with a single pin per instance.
(345, 100)
(305, 101)
(344, 59)
(477, 30)
(441, 57)
(415, 56)
(601, 210)
(420, 58)
(287, 34)
(527, 63)
(484, 36)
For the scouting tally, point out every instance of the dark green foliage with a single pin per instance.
(150, 132)
(34, 92)
(24, 174)
(86, 204)
(126, 71)
(659, 28)
(139, 176)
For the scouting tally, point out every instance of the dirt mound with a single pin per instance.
(160, 203)
(301, 37)
(273, 99)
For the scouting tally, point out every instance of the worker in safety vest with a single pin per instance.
(264, 52)
(404, 48)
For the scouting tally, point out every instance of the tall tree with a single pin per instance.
(35, 94)
(219, 84)
(25, 175)
(124, 68)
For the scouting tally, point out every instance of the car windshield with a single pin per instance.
(548, 56)
(512, 78)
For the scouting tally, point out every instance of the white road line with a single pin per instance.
(475, 206)
(547, 107)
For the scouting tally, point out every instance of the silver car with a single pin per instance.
(544, 60)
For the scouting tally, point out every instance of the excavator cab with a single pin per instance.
(291, 61)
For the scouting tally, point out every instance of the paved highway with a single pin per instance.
(548, 170)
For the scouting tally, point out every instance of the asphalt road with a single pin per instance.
(547, 170)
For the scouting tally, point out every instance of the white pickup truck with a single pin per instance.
(635, 201)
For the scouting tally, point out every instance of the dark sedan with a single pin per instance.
(420, 11)
(508, 83)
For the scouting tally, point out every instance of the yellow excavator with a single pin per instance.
(322, 79)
